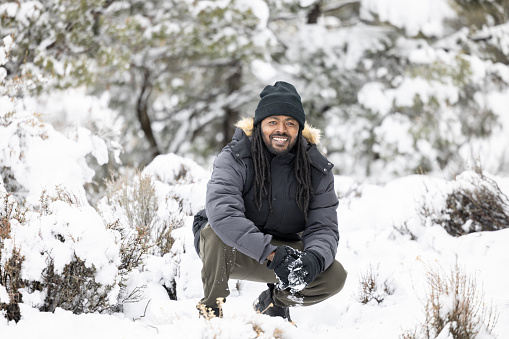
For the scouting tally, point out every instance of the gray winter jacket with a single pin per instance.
(232, 212)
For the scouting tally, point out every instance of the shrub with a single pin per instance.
(134, 207)
(133, 246)
(454, 307)
(162, 237)
(144, 223)
(10, 268)
(473, 203)
(135, 196)
(371, 288)
(454, 302)
(74, 289)
(10, 279)
(69, 258)
(130, 208)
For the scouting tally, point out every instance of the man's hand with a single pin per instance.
(284, 258)
(295, 269)
(271, 256)
(305, 270)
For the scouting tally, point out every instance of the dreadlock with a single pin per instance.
(261, 164)
(262, 177)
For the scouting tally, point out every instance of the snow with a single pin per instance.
(405, 93)
(28, 11)
(9, 9)
(426, 16)
(259, 8)
(263, 70)
(372, 220)
(372, 97)
(314, 39)
(4, 296)
(80, 228)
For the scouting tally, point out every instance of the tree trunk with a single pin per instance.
(232, 114)
(143, 117)
(315, 13)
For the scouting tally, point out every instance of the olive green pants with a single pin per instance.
(222, 262)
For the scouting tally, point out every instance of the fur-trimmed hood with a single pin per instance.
(311, 134)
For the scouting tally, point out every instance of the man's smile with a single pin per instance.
(280, 141)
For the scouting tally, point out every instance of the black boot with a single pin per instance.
(264, 304)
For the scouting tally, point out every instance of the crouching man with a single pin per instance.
(271, 209)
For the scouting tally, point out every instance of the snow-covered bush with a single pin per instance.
(179, 183)
(70, 258)
(373, 287)
(10, 269)
(55, 250)
(472, 203)
(454, 307)
(10, 283)
(146, 208)
(48, 258)
(131, 207)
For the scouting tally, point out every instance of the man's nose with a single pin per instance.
(281, 127)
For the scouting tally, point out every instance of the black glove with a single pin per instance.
(313, 264)
(284, 258)
(305, 270)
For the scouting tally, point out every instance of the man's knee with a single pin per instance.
(336, 277)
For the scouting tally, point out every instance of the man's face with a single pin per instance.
(279, 133)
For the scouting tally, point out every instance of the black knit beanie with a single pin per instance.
(280, 99)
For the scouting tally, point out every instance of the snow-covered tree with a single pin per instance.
(397, 91)
(397, 87)
(173, 68)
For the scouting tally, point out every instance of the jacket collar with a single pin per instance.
(241, 144)
(311, 134)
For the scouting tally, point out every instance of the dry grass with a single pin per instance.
(456, 299)
(454, 303)
(371, 288)
(208, 313)
(135, 195)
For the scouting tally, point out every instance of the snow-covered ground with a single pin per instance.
(383, 235)
(373, 239)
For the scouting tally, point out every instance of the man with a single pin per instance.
(271, 209)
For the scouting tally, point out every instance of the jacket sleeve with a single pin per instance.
(225, 209)
(321, 234)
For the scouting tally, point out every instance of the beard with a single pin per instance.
(277, 148)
